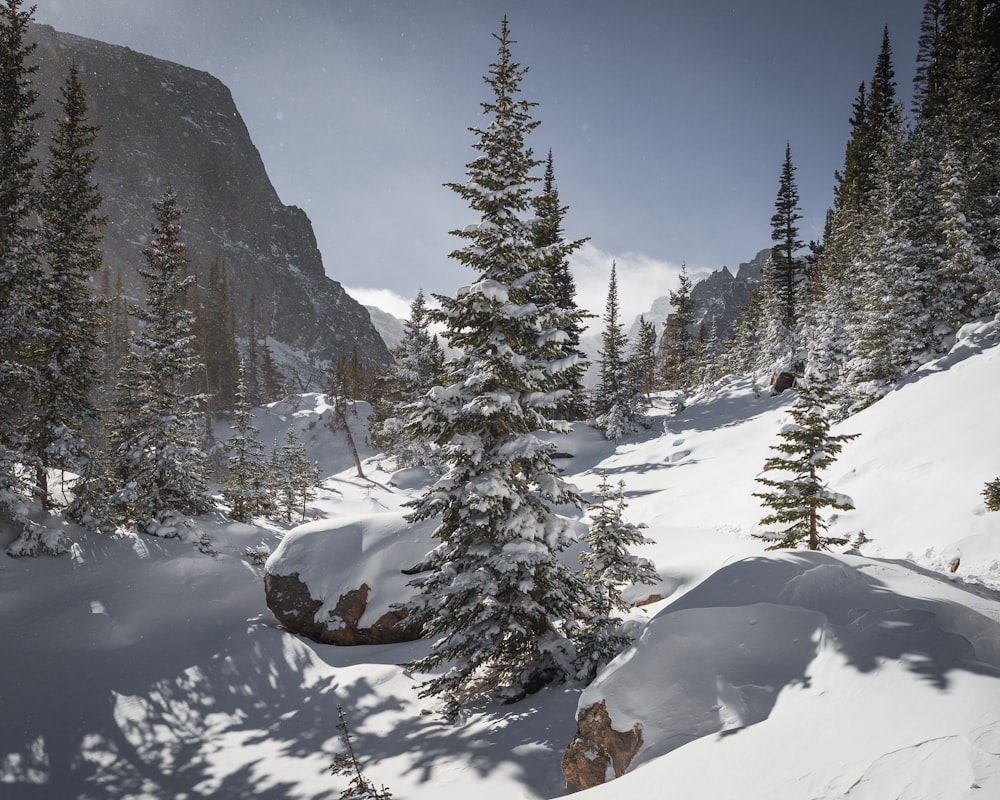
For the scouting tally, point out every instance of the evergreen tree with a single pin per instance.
(806, 450)
(928, 81)
(419, 363)
(709, 353)
(788, 271)
(20, 271)
(678, 347)
(644, 357)
(294, 477)
(247, 488)
(67, 353)
(157, 463)
(742, 351)
(608, 566)
(346, 763)
(494, 595)
(554, 251)
(619, 404)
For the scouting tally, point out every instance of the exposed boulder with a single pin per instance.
(599, 753)
(293, 605)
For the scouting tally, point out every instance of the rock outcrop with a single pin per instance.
(165, 123)
(292, 604)
(599, 753)
(719, 298)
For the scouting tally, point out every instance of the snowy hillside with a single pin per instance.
(143, 668)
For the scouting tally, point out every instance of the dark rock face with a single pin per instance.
(292, 604)
(164, 123)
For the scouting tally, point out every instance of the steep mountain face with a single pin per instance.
(162, 123)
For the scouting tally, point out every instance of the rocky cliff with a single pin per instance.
(165, 123)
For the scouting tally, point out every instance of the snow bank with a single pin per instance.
(830, 659)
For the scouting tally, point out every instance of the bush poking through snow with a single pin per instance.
(991, 494)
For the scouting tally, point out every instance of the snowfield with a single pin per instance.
(146, 668)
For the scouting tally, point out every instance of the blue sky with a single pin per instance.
(667, 120)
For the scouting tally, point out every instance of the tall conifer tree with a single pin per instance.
(157, 463)
(67, 353)
(494, 595)
(20, 272)
(554, 252)
(788, 270)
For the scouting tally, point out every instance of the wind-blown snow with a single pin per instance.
(145, 668)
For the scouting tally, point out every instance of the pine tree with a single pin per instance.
(157, 461)
(346, 763)
(555, 251)
(619, 405)
(643, 359)
(678, 347)
(20, 271)
(247, 488)
(419, 363)
(67, 353)
(608, 566)
(294, 477)
(709, 353)
(806, 450)
(494, 595)
(788, 271)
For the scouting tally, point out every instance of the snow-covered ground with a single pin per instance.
(143, 668)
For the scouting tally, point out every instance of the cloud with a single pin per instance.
(385, 299)
(641, 280)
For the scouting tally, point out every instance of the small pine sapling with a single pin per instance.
(360, 787)
(807, 448)
(608, 566)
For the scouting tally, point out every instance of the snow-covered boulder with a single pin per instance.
(338, 581)
(774, 640)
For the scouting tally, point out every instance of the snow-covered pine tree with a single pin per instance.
(555, 251)
(294, 477)
(20, 272)
(962, 268)
(156, 463)
(619, 405)
(709, 356)
(678, 348)
(494, 595)
(608, 566)
(247, 488)
(67, 353)
(806, 450)
(419, 362)
(643, 357)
